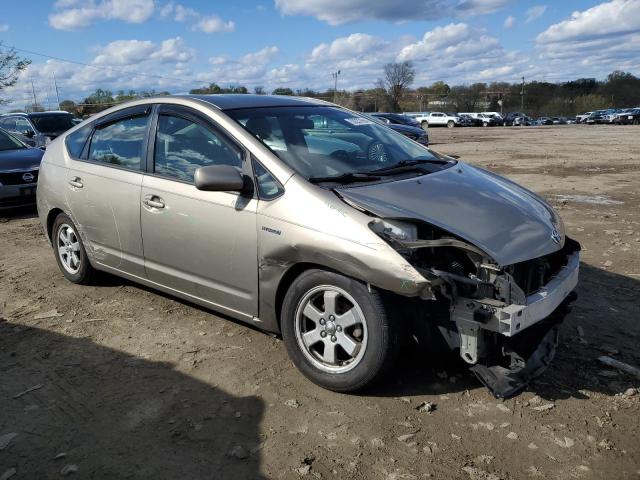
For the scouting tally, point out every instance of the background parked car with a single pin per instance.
(630, 117)
(414, 132)
(435, 119)
(511, 116)
(19, 166)
(489, 120)
(39, 127)
(395, 119)
(581, 118)
(545, 121)
(467, 120)
(521, 121)
(596, 116)
(559, 120)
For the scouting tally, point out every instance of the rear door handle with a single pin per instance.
(153, 201)
(76, 182)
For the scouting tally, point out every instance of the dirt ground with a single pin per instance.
(124, 382)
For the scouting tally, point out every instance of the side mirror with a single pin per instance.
(219, 178)
(29, 133)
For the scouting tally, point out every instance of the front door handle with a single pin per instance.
(153, 201)
(76, 182)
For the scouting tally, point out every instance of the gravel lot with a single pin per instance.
(117, 381)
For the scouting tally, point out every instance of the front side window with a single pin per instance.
(9, 124)
(324, 141)
(119, 143)
(76, 141)
(182, 146)
(8, 142)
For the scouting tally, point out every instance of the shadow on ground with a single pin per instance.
(114, 415)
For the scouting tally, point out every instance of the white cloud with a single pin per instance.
(535, 12)
(214, 24)
(4, 27)
(509, 22)
(249, 69)
(71, 15)
(609, 18)
(338, 12)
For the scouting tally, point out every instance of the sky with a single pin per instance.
(178, 45)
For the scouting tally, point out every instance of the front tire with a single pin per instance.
(451, 124)
(339, 334)
(424, 124)
(69, 251)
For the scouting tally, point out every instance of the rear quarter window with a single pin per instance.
(77, 140)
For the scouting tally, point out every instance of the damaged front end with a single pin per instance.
(504, 320)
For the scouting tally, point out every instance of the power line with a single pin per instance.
(100, 67)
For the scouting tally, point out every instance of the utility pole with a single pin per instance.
(55, 84)
(33, 90)
(522, 97)
(335, 84)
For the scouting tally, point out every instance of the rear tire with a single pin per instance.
(451, 124)
(70, 253)
(424, 124)
(339, 334)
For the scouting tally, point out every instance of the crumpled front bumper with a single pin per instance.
(530, 354)
(509, 345)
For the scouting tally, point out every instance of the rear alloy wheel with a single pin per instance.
(337, 332)
(69, 251)
(485, 124)
(451, 124)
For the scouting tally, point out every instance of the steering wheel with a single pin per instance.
(376, 152)
(341, 155)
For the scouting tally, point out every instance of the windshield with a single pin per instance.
(52, 123)
(8, 142)
(319, 141)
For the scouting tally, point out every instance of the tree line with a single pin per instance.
(394, 91)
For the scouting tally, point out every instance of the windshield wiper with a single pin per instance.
(407, 163)
(350, 177)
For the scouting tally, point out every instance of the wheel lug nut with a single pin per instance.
(339, 328)
(322, 322)
(323, 334)
(331, 317)
(333, 338)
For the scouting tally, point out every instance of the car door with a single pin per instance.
(199, 243)
(104, 182)
(436, 119)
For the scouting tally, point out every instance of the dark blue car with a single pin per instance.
(19, 166)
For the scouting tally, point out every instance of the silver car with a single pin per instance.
(314, 222)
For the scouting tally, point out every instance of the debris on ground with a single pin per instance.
(69, 469)
(292, 402)
(8, 474)
(546, 406)
(50, 314)
(5, 439)
(625, 367)
(426, 407)
(28, 390)
(239, 452)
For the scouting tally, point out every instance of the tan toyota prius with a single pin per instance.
(306, 219)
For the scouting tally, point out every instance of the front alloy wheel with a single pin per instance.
(338, 332)
(331, 329)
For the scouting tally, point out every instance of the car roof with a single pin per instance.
(234, 101)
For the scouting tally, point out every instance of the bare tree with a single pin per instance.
(10, 67)
(397, 78)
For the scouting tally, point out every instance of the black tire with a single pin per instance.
(85, 273)
(383, 332)
(424, 124)
(451, 124)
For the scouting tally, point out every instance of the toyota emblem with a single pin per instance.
(28, 177)
(555, 236)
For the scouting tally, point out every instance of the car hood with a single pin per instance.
(508, 222)
(407, 129)
(26, 158)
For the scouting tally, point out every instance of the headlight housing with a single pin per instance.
(395, 229)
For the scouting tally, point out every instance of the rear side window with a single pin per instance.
(119, 143)
(77, 140)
